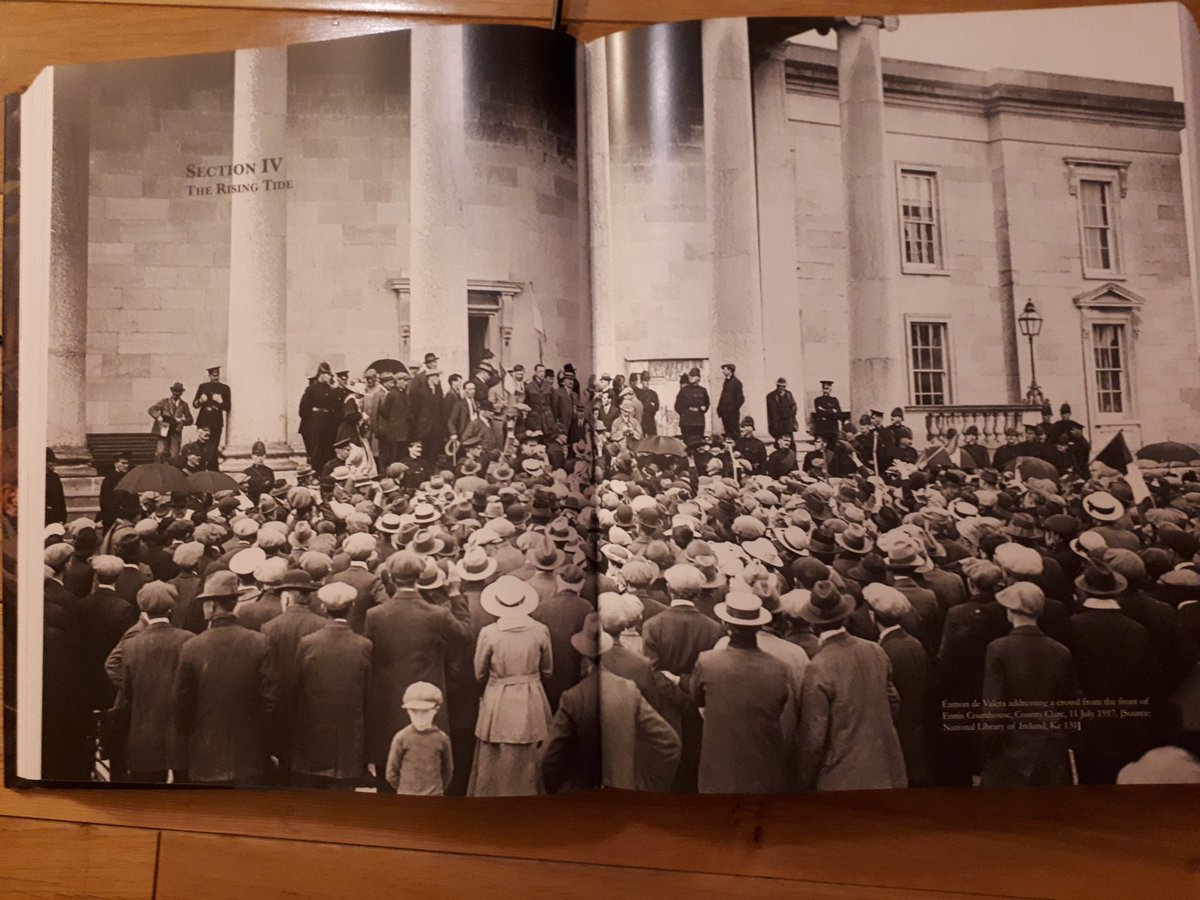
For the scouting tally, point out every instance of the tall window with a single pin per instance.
(930, 366)
(920, 227)
(1108, 349)
(1098, 223)
(1098, 186)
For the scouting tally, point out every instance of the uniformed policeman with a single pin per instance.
(259, 476)
(827, 414)
(213, 402)
(692, 403)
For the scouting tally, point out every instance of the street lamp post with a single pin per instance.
(1030, 323)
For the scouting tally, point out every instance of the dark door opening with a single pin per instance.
(477, 340)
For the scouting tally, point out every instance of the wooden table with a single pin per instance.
(1086, 842)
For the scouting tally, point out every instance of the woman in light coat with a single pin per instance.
(513, 655)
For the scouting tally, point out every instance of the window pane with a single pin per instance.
(1108, 359)
(918, 217)
(930, 378)
(1095, 209)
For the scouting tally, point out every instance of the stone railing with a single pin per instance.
(990, 419)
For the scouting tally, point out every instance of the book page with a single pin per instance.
(303, 458)
(896, 397)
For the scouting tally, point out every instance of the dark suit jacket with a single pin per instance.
(188, 613)
(103, 618)
(732, 396)
(65, 708)
(331, 689)
(225, 698)
(395, 416)
(913, 679)
(1027, 665)
(413, 641)
(149, 665)
(563, 613)
(285, 632)
(674, 639)
(781, 413)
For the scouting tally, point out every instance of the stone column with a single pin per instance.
(604, 351)
(736, 325)
(258, 326)
(66, 409)
(775, 160)
(1189, 38)
(877, 375)
(438, 255)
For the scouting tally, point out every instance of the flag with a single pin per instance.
(538, 325)
(1116, 455)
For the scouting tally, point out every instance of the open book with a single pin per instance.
(726, 406)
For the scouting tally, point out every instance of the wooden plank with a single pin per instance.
(49, 859)
(919, 840)
(251, 868)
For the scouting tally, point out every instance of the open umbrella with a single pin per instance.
(388, 365)
(1031, 467)
(207, 482)
(1169, 451)
(661, 445)
(158, 477)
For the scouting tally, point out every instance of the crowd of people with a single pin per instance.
(500, 586)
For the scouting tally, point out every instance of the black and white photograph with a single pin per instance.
(738, 406)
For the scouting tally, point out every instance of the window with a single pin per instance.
(1098, 185)
(1108, 351)
(920, 225)
(1096, 217)
(929, 358)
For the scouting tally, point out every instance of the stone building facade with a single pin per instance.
(431, 201)
(906, 212)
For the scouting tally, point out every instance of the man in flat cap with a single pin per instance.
(1025, 665)
(149, 664)
(827, 414)
(692, 405)
(104, 616)
(781, 411)
(171, 415)
(333, 669)
(213, 404)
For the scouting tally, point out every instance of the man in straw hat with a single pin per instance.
(639, 750)
(1027, 666)
(847, 739)
(332, 672)
(225, 693)
(745, 696)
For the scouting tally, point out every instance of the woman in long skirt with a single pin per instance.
(513, 655)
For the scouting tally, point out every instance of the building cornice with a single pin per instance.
(975, 94)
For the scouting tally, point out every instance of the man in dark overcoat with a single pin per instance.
(225, 693)
(149, 665)
(414, 640)
(781, 411)
(212, 402)
(334, 668)
(692, 404)
(729, 404)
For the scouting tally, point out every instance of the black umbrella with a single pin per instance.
(1031, 467)
(158, 477)
(661, 445)
(1169, 451)
(208, 482)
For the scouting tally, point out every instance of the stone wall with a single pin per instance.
(158, 260)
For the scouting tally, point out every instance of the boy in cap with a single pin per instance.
(419, 760)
